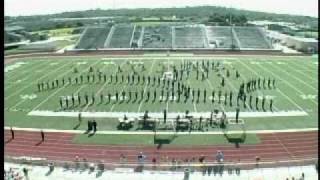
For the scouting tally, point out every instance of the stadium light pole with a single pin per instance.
(231, 28)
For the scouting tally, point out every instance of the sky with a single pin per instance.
(35, 7)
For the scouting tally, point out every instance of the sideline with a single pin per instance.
(160, 114)
(162, 132)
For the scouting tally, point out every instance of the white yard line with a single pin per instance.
(25, 87)
(303, 72)
(159, 132)
(113, 105)
(195, 107)
(145, 87)
(293, 102)
(28, 70)
(12, 84)
(194, 104)
(282, 80)
(84, 85)
(167, 105)
(307, 66)
(85, 108)
(222, 107)
(17, 104)
(292, 75)
(58, 90)
(236, 89)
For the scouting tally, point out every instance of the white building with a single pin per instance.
(308, 45)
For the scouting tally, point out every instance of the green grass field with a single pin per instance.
(296, 89)
(56, 32)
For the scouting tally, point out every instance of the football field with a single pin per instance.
(49, 92)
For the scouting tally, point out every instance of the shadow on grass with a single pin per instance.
(236, 140)
(76, 126)
(91, 134)
(48, 173)
(161, 141)
(99, 174)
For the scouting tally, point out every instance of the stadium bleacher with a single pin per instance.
(251, 37)
(165, 36)
(189, 37)
(93, 38)
(157, 37)
(121, 36)
(220, 36)
(136, 37)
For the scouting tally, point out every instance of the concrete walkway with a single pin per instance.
(279, 173)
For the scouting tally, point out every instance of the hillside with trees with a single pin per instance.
(198, 14)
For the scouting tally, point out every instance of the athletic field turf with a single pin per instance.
(294, 96)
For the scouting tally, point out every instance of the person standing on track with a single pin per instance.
(12, 133)
(42, 135)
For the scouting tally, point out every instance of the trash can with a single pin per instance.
(186, 174)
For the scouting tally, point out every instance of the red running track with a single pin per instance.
(59, 146)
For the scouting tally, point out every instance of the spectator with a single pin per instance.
(101, 166)
(201, 159)
(91, 167)
(219, 156)
(257, 161)
(230, 168)
(77, 164)
(51, 167)
(154, 161)
(173, 164)
(121, 158)
(85, 163)
(25, 172)
(238, 168)
(141, 158)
